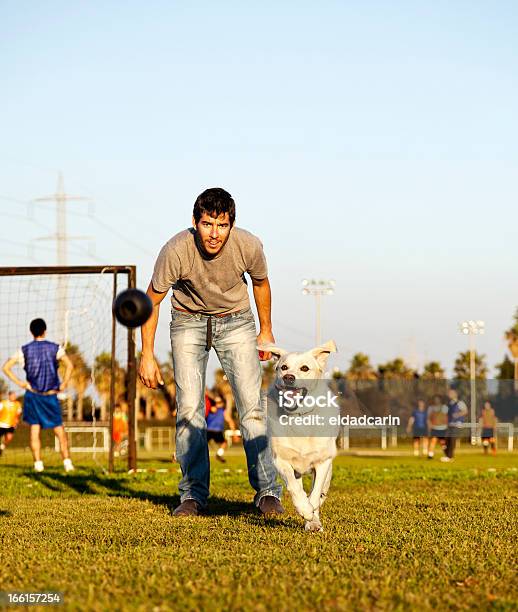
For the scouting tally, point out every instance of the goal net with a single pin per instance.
(76, 304)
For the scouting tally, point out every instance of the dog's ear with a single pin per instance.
(321, 353)
(276, 352)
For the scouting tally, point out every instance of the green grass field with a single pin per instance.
(400, 534)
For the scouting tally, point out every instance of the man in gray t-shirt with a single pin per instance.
(205, 266)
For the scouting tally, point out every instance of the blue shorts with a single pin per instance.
(488, 432)
(42, 410)
(438, 433)
(420, 432)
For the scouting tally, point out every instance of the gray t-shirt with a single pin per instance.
(210, 285)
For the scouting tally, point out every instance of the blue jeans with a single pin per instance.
(235, 342)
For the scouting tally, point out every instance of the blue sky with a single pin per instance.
(373, 143)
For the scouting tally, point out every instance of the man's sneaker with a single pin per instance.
(446, 459)
(38, 466)
(430, 455)
(189, 507)
(67, 464)
(270, 506)
(219, 455)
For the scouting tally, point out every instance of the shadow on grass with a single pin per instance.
(5, 513)
(94, 484)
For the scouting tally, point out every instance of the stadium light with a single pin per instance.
(472, 328)
(317, 288)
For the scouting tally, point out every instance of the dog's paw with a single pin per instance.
(313, 525)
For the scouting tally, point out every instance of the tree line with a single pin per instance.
(82, 404)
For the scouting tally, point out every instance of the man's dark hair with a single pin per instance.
(214, 202)
(38, 327)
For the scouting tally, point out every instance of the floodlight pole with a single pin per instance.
(318, 336)
(472, 328)
(473, 385)
(318, 289)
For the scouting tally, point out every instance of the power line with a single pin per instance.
(122, 237)
(92, 217)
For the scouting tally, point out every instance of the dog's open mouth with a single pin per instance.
(291, 393)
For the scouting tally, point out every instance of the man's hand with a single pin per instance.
(149, 372)
(264, 338)
(7, 370)
(263, 301)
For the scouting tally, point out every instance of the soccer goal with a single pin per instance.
(502, 430)
(87, 439)
(386, 435)
(76, 303)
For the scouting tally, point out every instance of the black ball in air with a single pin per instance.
(132, 308)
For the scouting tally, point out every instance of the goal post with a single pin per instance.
(79, 299)
(95, 432)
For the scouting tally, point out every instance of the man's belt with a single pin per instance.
(51, 392)
(208, 343)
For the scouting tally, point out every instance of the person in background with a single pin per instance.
(216, 426)
(10, 411)
(457, 411)
(41, 409)
(437, 424)
(120, 429)
(487, 424)
(417, 424)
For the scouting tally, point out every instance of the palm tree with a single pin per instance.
(505, 375)
(222, 387)
(159, 403)
(505, 369)
(79, 381)
(511, 335)
(102, 377)
(360, 368)
(168, 391)
(433, 370)
(462, 372)
(396, 369)
(268, 374)
(462, 366)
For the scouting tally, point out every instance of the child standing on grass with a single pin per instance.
(487, 424)
(437, 424)
(10, 410)
(41, 409)
(457, 411)
(418, 425)
(216, 426)
(120, 430)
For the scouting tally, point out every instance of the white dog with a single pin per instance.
(299, 444)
